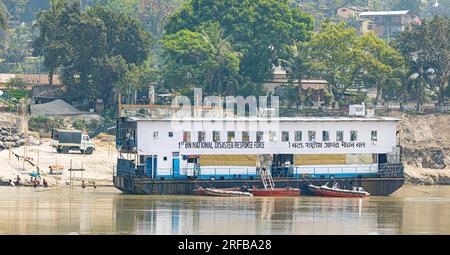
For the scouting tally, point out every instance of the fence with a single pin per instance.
(406, 107)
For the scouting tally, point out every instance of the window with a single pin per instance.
(231, 136)
(353, 135)
(339, 136)
(325, 136)
(298, 136)
(216, 136)
(374, 136)
(245, 136)
(285, 136)
(201, 136)
(186, 136)
(259, 136)
(155, 135)
(312, 136)
(370, 27)
(170, 134)
(272, 136)
(165, 158)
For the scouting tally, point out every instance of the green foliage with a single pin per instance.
(427, 50)
(45, 123)
(80, 124)
(201, 59)
(3, 16)
(16, 83)
(93, 49)
(261, 30)
(18, 93)
(340, 56)
(25, 10)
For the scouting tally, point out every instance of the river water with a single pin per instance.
(411, 210)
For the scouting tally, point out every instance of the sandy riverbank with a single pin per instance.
(98, 167)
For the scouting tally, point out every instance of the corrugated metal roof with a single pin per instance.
(281, 119)
(376, 13)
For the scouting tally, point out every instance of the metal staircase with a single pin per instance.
(267, 179)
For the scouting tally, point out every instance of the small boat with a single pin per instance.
(233, 192)
(335, 191)
(275, 192)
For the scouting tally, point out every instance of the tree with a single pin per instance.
(415, 6)
(298, 66)
(3, 16)
(49, 43)
(154, 14)
(427, 50)
(385, 68)
(203, 59)
(337, 56)
(263, 29)
(340, 56)
(92, 49)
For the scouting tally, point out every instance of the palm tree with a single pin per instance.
(224, 54)
(3, 16)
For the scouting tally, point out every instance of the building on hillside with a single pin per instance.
(386, 24)
(41, 94)
(30, 79)
(348, 12)
(280, 79)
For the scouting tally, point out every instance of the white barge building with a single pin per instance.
(170, 156)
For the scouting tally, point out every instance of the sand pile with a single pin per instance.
(54, 108)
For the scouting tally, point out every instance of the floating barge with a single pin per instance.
(175, 156)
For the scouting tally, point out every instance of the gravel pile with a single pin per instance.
(54, 108)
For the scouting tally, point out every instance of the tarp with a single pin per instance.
(228, 160)
(353, 159)
(320, 159)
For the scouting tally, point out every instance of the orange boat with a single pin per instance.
(275, 192)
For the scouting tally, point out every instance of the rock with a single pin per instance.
(22, 136)
(16, 138)
(7, 144)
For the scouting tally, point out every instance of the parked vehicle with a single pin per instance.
(72, 140)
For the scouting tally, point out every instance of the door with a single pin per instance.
(148, 167)
(176, 167)
(155, 166)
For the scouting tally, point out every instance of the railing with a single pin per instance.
(391, 170)
(127, 168)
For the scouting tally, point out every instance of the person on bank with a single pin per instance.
(17, 180)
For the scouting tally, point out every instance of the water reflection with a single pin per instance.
(105, 211)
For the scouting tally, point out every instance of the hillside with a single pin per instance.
(426, 148)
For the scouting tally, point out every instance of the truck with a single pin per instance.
(72, 140)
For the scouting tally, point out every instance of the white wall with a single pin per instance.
(165, 145)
